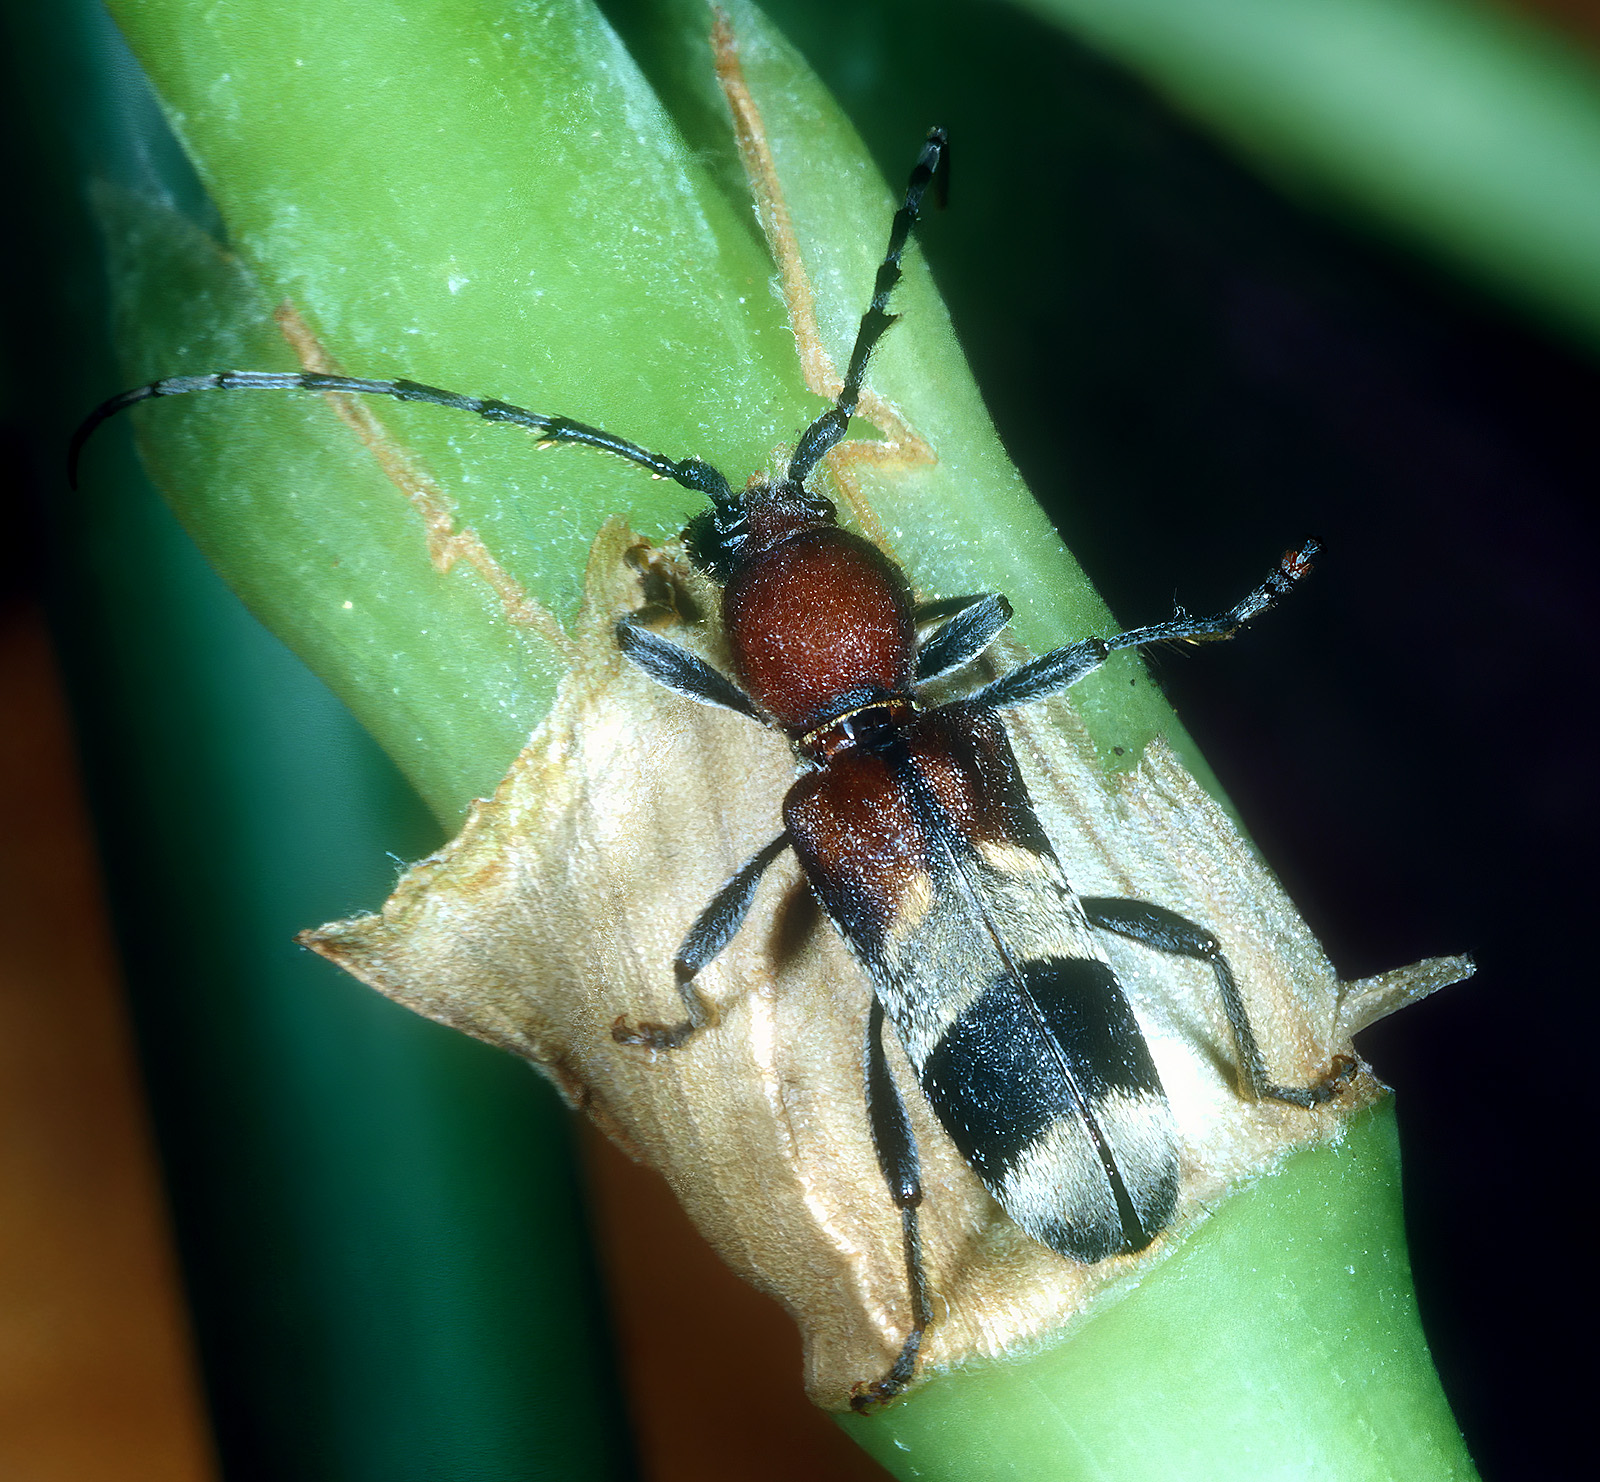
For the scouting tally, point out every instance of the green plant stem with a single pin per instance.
(489, 197)
(1282, 1341)
(561, 247)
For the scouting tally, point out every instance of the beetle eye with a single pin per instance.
(714, 536)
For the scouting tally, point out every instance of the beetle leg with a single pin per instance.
(1166, 931)
(713, 929)
(896, 1146)
(677, 669)
(1065, 666)
(960, 640)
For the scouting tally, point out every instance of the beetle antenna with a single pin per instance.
(822, 434)
(692, 473)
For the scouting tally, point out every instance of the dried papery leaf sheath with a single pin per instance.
(560, 905)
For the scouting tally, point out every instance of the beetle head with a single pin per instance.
(741, 525)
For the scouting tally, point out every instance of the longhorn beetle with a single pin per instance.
(917, 835)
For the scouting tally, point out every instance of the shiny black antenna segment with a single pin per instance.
(822, 434)
(692, 473)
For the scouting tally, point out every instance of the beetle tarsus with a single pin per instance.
(649, 1035)
(1337, 1077)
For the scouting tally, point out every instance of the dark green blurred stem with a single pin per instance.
(490, 197)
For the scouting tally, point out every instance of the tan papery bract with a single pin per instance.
(560, 905)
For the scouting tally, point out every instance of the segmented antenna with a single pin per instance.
(692, 473)
(822, 434)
